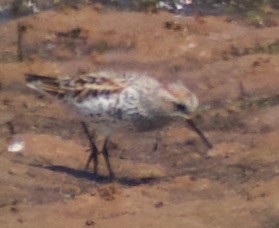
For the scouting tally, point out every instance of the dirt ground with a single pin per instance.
(233, 68)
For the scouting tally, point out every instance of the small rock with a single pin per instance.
(108, 192)
(68, 196)
(20, 220)
(159, 204)
(225, 150)
(173, 25)
(89, 223)
(13, 209)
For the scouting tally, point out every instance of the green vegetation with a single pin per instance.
(259, 13)
(144, 4)
(272, 48)
(261, 102)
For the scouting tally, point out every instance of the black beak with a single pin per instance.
(202, 136)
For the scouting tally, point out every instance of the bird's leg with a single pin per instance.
(199, 132)
(93, 149)
(158, 139)
(106, 157)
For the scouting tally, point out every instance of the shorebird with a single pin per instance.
(114, 101)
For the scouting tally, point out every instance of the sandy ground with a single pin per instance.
(230, 67)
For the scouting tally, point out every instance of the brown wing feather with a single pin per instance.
(77, 88)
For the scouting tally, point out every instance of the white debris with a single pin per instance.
(16, 146)
(33, 6)
(179, 6)
(174, 5)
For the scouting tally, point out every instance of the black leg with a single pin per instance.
(203, 138)
(93, 149)
(155, 146)
(106, 157)
(158, 139)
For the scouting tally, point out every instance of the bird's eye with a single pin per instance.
(181, 108)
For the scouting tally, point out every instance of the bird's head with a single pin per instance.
(178, 101)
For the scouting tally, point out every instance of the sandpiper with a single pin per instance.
(120, 101)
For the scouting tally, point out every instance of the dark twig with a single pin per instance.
(242, 91)
(20, 30)
(11, 127)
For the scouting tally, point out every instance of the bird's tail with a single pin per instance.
(44, 84)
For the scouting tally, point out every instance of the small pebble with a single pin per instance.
(13, 209)
(20, 220)
(89, 223)
(159, 204)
